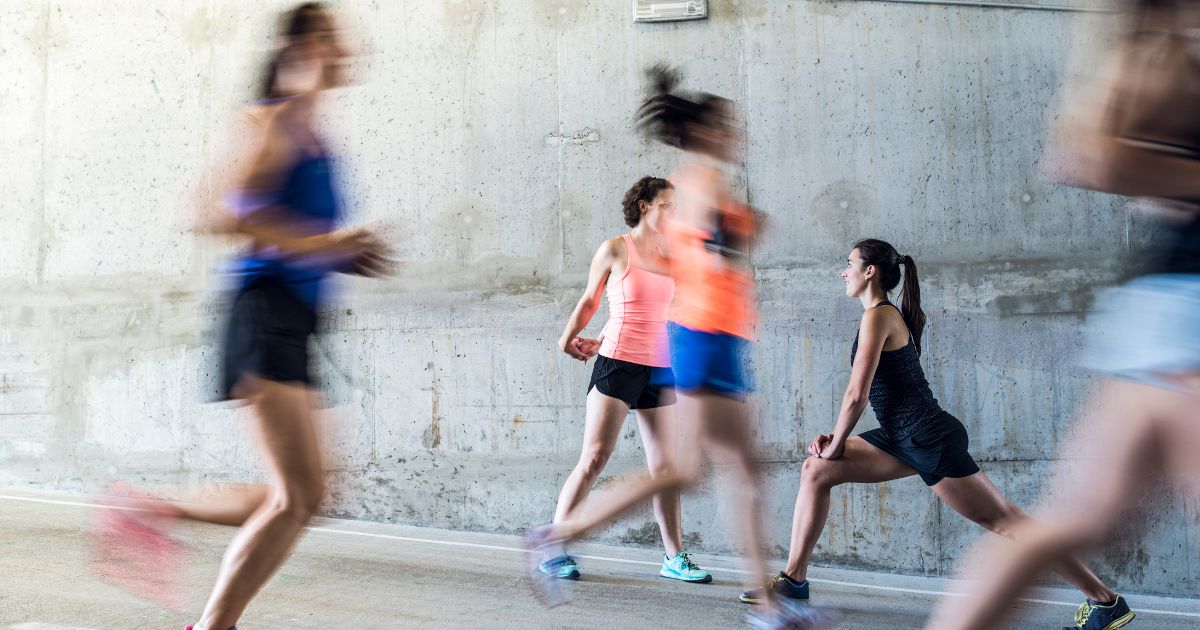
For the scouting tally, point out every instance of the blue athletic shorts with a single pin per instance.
(714, 362)
(1146, 330)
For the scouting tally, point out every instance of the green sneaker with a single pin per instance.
(682, 568)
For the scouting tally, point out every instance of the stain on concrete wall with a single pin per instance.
(492, 142)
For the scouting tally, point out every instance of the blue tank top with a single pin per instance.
(307, 202)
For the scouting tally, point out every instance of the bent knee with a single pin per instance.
(592, 463)
(661, 469)
(1007, 521)
(819, 472)
(300, 500)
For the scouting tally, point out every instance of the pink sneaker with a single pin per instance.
(132, 549)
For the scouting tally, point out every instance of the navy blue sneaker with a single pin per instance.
(1095, 616)
(781, 585)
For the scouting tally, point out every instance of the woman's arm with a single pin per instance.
(252, 164)
(1086, 151)
(1124, 168)
(235, 200)
(872, 334)
(589, 302)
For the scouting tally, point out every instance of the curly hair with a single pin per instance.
(646, 189)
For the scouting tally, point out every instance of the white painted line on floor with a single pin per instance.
(54, 502)
(39, 625)
(895, 589)
(428, 541)
(453, 543)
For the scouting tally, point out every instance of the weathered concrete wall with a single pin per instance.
(494, 140)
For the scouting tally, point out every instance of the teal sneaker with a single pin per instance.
(682, 568)
(543, 574)
(562, 567)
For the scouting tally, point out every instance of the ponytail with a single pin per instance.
(910, 301)
(667, 112)
(889, 262)
(293, 24)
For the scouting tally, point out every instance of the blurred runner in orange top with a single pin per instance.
(709, 243)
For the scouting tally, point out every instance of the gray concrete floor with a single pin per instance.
(350, 574)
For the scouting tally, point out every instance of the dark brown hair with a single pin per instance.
(646, 189)
(889, 262)
(293, 24)
(666, 114)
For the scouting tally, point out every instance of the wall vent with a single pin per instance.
(669, 10)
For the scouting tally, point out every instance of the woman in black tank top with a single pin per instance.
(1134, 133)
(915, 436)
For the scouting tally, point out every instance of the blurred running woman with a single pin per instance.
(286, 204)
(1140, 137)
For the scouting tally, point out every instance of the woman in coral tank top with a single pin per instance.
(711, 322)
(632, 369)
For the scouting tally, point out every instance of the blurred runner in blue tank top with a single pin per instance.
(284, 203)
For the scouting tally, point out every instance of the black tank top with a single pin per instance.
(900, 395)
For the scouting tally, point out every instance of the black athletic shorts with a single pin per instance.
(639, 386)
(936, 450)
(267, 335)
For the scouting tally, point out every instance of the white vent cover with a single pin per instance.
(669, 10)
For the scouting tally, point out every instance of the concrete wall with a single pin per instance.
(494, 140)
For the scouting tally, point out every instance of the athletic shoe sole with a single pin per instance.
(750, 600)
(573, 575)
(1120, 622)
(797, 617)
(671, 576)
